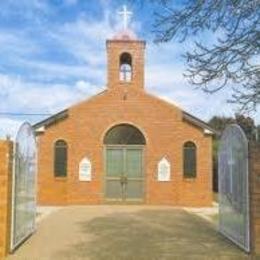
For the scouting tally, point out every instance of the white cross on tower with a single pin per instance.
(126, 15)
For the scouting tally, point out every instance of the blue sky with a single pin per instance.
(53, 55)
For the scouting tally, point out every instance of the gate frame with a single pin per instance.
(13, 246)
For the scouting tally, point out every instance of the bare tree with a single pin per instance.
(234, 60)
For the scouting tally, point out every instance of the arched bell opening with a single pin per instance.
(125, 73)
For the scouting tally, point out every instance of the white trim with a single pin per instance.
(41, 129)
(208, 132)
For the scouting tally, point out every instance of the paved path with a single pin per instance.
(126, 232)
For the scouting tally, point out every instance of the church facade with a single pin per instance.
(124, 145)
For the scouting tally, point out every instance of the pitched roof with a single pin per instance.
(60, 115)
(198, 122)
(52, 119)
(188, 117)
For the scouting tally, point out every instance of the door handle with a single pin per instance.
(123, 180)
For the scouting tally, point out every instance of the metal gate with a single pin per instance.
(24, 186)
(233, 186)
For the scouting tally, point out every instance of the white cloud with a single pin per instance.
(85, 87)
(19, 95)
(9, 127)
(83, 41)
(48, 71)
(164, 77)
(24, 8)
(15, 44)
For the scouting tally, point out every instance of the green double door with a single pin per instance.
(124, 173)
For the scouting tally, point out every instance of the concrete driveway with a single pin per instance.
(126, 232)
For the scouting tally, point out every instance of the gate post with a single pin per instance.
(254, 192)
(6, 155)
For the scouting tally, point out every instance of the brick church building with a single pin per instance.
(124, 145)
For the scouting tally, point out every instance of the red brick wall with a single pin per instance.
(255, 197)
(165, 134)
(5, 196)
(161, 123)
(136, 50)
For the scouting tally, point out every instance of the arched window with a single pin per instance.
(124, 134)
(125, 67)
(189, 160)
(60, 158)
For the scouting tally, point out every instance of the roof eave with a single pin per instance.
(51, 120)
(198, 122)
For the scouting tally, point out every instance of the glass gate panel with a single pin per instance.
(233, 186)
(24, 186)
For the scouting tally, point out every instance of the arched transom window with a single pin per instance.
(189, 160)
(124, 134)
(125, 67)
(60, 158)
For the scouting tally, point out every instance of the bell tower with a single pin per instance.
(125, 58)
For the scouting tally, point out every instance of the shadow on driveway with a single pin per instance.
(149, 234)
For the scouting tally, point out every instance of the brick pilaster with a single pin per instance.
(5, 196)
(254, 188)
